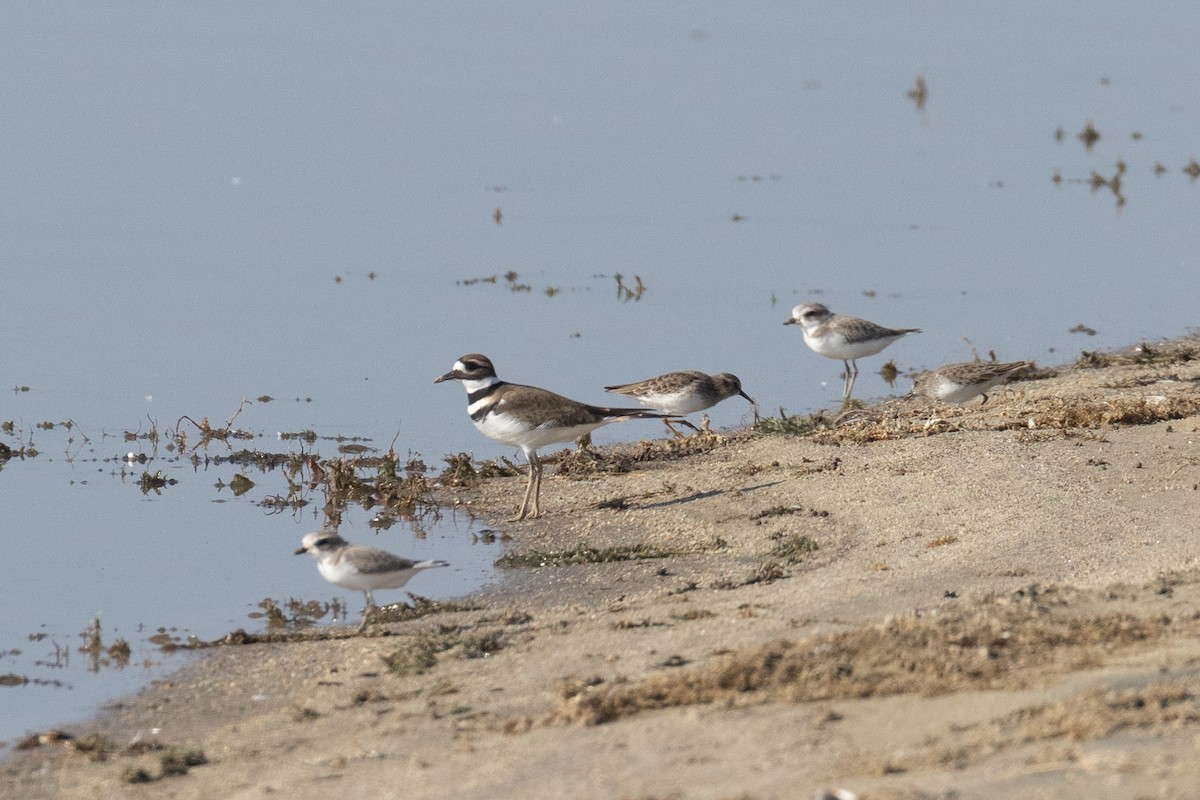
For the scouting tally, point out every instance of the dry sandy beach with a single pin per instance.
(922, 602)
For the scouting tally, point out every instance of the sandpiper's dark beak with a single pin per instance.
(790, 321)
(748, 397)
(300, 551)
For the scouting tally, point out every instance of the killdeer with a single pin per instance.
(686, 392)
(958, 383)
(528, 417)
(848, 338)
(354, 566)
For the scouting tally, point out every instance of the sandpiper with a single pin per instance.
(958, 383)
(848, 338)
(685, 392)
(528, 417)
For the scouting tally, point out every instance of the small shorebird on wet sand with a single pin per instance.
(679, 393)
(528, 417)
(355, 566)
(958, 383)
(847, 338)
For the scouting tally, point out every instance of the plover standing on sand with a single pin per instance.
(355, 566)
(848, 338)
(528, 417)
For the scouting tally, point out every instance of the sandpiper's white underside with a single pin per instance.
(952, 392)
(686, 402)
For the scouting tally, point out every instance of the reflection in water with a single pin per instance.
(116, 655)
(293, 614)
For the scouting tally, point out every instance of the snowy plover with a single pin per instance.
(354, 566)
(848, 338)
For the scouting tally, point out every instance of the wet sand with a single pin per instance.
(922, 602)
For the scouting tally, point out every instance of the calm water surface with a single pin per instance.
(206, 205)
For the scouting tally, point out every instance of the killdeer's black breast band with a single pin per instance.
(475, 397)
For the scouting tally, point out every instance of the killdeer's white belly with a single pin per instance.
(513, 430)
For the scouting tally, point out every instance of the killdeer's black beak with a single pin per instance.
(449, 376)
(300, 551)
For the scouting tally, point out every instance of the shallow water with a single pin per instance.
(202, 207)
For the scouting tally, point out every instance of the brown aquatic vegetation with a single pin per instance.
(208, 433)
(1090, 715)
(795, 424)
(585, 462)
(173, 760)
(792, 548)
(919, 93)
(1056, 412)
(1180, 351)
(407, 496)
(296, 628)
(993, 646)
(420, 654)
(650, 450)
(583, 554)
(889, 422)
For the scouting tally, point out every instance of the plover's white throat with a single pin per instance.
(685, 392)
(353, 566)
(958, 383)
(848, 338)
(528, 417)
